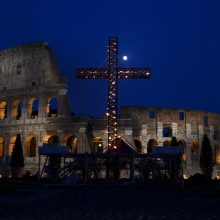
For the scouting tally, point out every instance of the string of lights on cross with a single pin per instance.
(112, 74)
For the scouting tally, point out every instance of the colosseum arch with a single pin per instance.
(51, 139)
(72, 142)
(11, 145)
(150, 144)
(3, 110)
(30, 146)
(52, 107)
(166, 143)
(97, 145)
(217, 153)
(16, 109)
(33, 106)
(138, 146)
(184, 144)
(194, 149)
(1, 146)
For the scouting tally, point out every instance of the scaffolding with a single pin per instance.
(62, 167)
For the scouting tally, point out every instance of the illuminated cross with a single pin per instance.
(112, 74)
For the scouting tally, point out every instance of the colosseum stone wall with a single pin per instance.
(188, 126)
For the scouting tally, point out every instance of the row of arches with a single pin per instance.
(98, 146)
(33, 108)
(30, 144)
(194, 147)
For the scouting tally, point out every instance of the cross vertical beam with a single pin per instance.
(112, 92)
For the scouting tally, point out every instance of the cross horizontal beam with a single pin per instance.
(92, 73)
(122, 73)
(133, 73)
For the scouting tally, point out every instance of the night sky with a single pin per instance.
(179, 40)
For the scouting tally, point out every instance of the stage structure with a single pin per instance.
(163, 166)
(112, 74)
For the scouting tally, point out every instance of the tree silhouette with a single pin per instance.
(206, 158)
(150, 144)
(17, 158)
(174, 141)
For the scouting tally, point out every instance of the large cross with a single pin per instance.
(112, 74)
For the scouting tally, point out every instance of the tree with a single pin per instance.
(17, 158)
(173, 142)
(150, 144)
(206, 158)
(166, 143)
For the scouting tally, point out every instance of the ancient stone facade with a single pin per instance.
(188, 126)
(34, 103)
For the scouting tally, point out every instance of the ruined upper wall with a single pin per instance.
(183, 120)
(169, 115)
(28, 66)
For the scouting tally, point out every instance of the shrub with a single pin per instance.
(206, 158)
(17, 158)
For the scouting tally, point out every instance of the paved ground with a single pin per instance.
(109, 203)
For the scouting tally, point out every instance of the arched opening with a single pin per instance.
(30, 146)
(1, 146)
(194, 149)
(45, 139)
(3, 110)
(16, 109)
(150, 144)
(138, 146)
(166, 143)
(33, 147)
(167, 132)
(52, 107)
(217, 153)
(71, 142)
(183, 143)
(97, 145)
(33, 107)
(51, 139)
(11, 145)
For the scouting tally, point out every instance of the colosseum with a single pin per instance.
(34, 103)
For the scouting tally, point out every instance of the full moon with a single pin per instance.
(125, 57)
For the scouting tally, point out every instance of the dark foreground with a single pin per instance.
(109, 203)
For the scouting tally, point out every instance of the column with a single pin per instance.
(5, 150)
(6, 165)
(9, 108)
(144, 137)
(174, 129)
(83, 144)
(61, 99)
(42, 107)
(128, 136)
(24, 108)
(188, 149)
(160, 133)
(60, 135)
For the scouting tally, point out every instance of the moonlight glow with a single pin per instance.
(125, 57)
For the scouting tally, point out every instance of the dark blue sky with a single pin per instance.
(179, 40)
